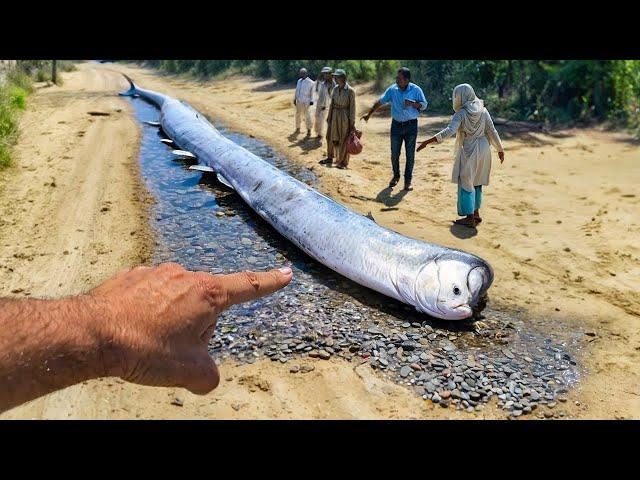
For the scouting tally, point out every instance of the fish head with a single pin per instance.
(453, 286)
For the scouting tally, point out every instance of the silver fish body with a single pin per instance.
(443, 282)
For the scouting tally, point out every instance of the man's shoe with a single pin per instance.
(394, 181)
(407, 187)
(326, 161)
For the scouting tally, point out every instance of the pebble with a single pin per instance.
(177, 401)
(294, 369)
(405, 371)
(445, 394)
(323, 354)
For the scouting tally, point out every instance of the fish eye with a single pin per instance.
(456, 291)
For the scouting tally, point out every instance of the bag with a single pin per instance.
(354, 145)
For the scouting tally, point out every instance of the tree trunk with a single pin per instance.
(54, 73)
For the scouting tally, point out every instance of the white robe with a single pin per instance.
(472, 158)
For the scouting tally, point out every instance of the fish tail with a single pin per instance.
(132, 89)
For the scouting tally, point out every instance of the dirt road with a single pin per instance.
(561, 228)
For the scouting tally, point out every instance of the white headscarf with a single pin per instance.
(472, 108)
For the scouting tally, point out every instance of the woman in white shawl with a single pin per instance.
(474, 131)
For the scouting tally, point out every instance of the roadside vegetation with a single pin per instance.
(552, 91)
(16, 83)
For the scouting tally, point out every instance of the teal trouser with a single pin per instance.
(469, 201)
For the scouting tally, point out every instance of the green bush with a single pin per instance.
(542, 90)
(42, 76)
(17, 97)
(20, 79)
(13, 95)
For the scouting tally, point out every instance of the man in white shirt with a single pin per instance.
(324, 87)
(303, 99)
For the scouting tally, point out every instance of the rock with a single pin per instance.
(405, 371)
(235, 406)
(307, 368)
(409, 346)
(516, 413)
(415, 367)
(445, 394)
(436, 398)
(177, 401)
(324, 355)
(294, 369)
(314, 354)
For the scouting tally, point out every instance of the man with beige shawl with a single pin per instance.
(474, 130)
(341, 120)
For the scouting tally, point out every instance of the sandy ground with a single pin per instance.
(560, 229)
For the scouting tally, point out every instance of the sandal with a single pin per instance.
(465, 223)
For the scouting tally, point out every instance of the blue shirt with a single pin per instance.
(397, 97)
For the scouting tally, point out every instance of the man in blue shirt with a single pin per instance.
(407, 101)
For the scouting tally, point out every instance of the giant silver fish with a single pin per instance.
(443, 282)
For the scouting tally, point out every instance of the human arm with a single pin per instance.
(150, 326)
(492, 134)
(384, 99)
(447, 132)
(311, 89)
(352, 111)
(420, 103)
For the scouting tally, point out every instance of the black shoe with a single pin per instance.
(326, 161)
(407, 187)
(394, 181)
(308, 133)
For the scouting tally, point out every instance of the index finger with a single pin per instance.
(245, 286)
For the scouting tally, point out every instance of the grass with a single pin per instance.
(13, 99)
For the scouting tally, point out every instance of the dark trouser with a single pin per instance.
(407, 131)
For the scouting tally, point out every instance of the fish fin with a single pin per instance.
(224, 181)
(153, 124)
(132, 89)
(370, 217)
(167, 141)
(183, 153)
(201, 168)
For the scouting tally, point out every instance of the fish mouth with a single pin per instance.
(457, 312)
(463, 309)
(479, 280)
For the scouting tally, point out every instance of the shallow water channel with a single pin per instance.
(203, 225)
